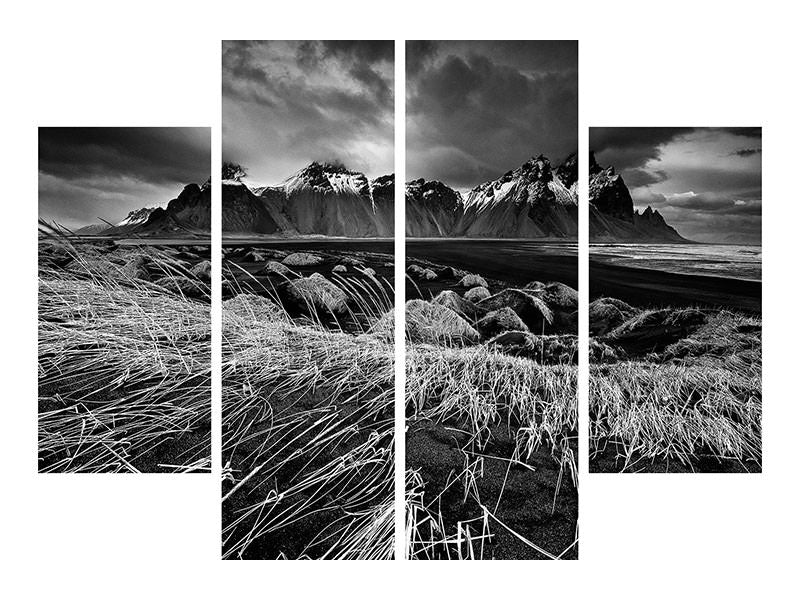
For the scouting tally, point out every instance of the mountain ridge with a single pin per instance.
(187, 214)
(612, 217)
(535, 200)
(321, 199)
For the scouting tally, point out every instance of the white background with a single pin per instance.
(641, 63)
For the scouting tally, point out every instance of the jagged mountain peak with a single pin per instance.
(434, 193)
(530, 201)
(608, 192)
(140, 215)
(536, 169)
(323, 198)
(327, 178)
(534, 184)
(612, 216)
(567, 171)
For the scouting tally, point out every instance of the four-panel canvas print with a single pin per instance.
(491, 305)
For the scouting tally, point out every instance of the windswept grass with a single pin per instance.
(124, 365)
(506, 416)
(308, 428)
(696, 403)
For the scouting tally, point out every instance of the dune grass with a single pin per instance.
(475, 392)
(308, 427)
(698, 398)
(124, 365)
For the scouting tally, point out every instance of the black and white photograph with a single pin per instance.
(491, 200)
(124, 273)
(308, 300)
(675, 284)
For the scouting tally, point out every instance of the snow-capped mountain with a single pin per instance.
(188, 214)
(321, 199)
(612, 217)
(136, 217)
(532, 201)
(433, 209)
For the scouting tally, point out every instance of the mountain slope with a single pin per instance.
(189, 213)
(321, 199)
(532, 201)
(93, 229)
(612, 217)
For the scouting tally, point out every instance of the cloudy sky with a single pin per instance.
(477, 109)
(286, 104)
(706, 182)
(106, 172)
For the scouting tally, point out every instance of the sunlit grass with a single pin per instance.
(124, 365)
(308, 426)
(701, 396)
(474, 389)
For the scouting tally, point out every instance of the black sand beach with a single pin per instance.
(646, 287)
(517, 262)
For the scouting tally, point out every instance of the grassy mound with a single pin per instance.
(693, 405)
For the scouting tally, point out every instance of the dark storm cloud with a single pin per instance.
(478, 109)
(361, 51)
(419, 54)
(288, 103)
(152, 154)
(714, 204)
(630, 147)
(86, 173)
(637, 177)
(706, 182)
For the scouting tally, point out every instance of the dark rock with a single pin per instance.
(136, 268)
(428, 323)
(562, 300)
(254, 256)
(544, 349)
(313, 295)
(499, 321)
(476, 294)
(202, 271)
(456, 303)
(275, 268)
(183, 286)
(607, 313)
(302, 259)
(446, 273)
(53, 255)
(420, 273)
(350, 261)
(653, 330)
(531, 309)
(600, 352)
(471, 280)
